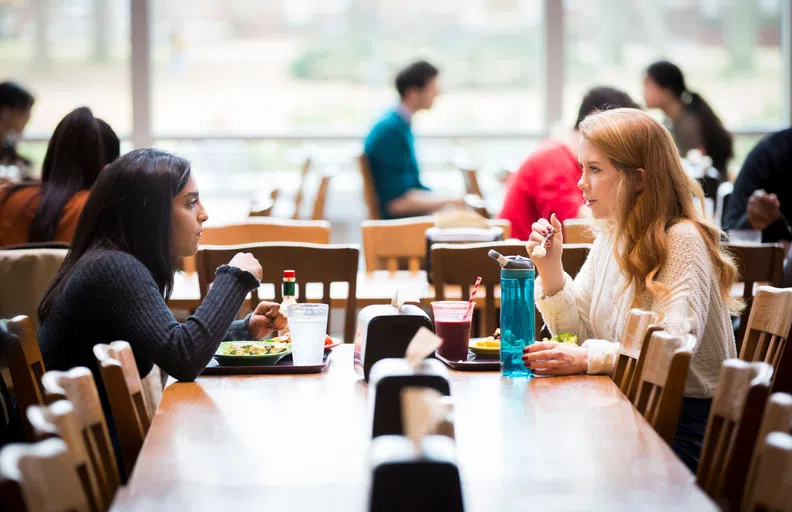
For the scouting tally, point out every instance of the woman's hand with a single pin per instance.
(267, 317)
(549, 266)
(551, 358)
(246, 261)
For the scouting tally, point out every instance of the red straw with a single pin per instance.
(472, 301)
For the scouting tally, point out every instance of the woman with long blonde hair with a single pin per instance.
(655, 251)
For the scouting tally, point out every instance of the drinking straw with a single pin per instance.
(471, 302)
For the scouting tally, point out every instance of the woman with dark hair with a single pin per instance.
(15, 106)
(110, 142)
(144, 213)
(48, 211)
(693, 123)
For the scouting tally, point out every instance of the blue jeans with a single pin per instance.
(689, 437)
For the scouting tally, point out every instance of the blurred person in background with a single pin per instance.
(390, 148)
(110, 142)
(762, 196)
(16, 104)
(546, 182)
(48, 211)
(689, 118)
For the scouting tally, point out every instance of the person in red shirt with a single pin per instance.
(546, 182)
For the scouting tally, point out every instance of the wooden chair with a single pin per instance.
(26, 272)
(737, 408)
(460, 264)
(269, 229)
(46, 476)
(661, 383)
(578, 231)
(401, 243)
(757, 263)
(640, 324)
(265, 208)
(300, 195)
(470, 177)
(573, 257)
(78, 387)
(777, 418)
(774, 483)
(125, 394)
(768, 326)
(314, 263)
(60, 420)
(369, 188)
(321, 198)
(26, 367)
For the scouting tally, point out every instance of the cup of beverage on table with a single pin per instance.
(307, 326)
(452, 324)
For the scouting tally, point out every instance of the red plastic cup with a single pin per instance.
(452, 324)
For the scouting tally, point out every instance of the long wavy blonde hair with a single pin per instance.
(633, 140)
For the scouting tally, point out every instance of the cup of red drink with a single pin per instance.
(452, 324)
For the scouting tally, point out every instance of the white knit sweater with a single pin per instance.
(592, 307)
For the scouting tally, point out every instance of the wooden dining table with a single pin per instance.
(300, 443)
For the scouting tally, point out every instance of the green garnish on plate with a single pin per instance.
(564, 337)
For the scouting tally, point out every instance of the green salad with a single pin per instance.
(564, 337)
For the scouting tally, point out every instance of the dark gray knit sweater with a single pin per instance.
(112, 296)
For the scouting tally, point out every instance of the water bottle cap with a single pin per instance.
(519, 262)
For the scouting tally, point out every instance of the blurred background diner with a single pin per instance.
(250, 92)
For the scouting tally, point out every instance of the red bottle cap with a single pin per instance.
(288, 274)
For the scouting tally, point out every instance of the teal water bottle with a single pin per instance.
(517, 315)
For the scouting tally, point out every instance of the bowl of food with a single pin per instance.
(251, 353)
(486, 347)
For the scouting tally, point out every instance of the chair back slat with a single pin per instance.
(60, 420)
(369, 188)
(757, 263)
(733, 424)
(662, 381)
(320, 200)
(313, 263)
(638, 326)
(46, 475)
(26, 367)
(777, 418)
(773, 491)
(125, 394)
(300, 195)
(768, 326)
(578, 231)
(78, 386)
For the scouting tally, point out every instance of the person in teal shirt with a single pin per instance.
(390, 149)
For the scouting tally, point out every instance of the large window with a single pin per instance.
(69, 53)
(729, 50)
(301, 66)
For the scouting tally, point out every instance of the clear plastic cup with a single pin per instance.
(452, 324)
(307, 327)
